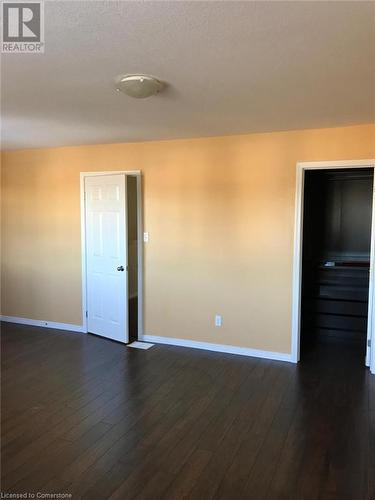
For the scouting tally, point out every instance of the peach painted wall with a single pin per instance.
(220, 214)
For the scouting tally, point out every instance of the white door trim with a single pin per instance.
(297, 259)
(138, 175)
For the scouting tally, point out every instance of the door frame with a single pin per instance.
(298, 249)
(138, 175)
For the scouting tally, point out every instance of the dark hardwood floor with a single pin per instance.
(92, 418)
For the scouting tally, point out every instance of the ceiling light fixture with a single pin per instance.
(139, 86)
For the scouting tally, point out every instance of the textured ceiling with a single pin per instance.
(232, 67)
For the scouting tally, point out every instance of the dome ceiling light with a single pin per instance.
(139, 86)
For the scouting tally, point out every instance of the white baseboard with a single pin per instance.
(45, 324)
(208, 346)
(194, 344)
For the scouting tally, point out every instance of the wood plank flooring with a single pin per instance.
(91, 418)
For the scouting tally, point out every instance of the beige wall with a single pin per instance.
(220, 216)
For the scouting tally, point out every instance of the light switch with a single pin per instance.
(217, 320)
(145, 237)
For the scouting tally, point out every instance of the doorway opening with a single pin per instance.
(333, 265)
(336, 259)
(132, 237)
(111, 228)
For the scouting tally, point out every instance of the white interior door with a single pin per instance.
(106, 256)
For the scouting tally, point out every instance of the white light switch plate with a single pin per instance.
(145, 237)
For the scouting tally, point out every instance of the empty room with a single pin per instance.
(187, 250)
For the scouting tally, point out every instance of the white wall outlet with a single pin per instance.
(145, 237)
(217, 320)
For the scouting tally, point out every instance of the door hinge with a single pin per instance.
(369, 343)
(87, 314)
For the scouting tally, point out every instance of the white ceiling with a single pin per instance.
(232, 67)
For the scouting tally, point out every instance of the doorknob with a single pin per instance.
(120, 268)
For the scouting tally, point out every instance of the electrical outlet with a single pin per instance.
(217, 320)
(145, 237)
